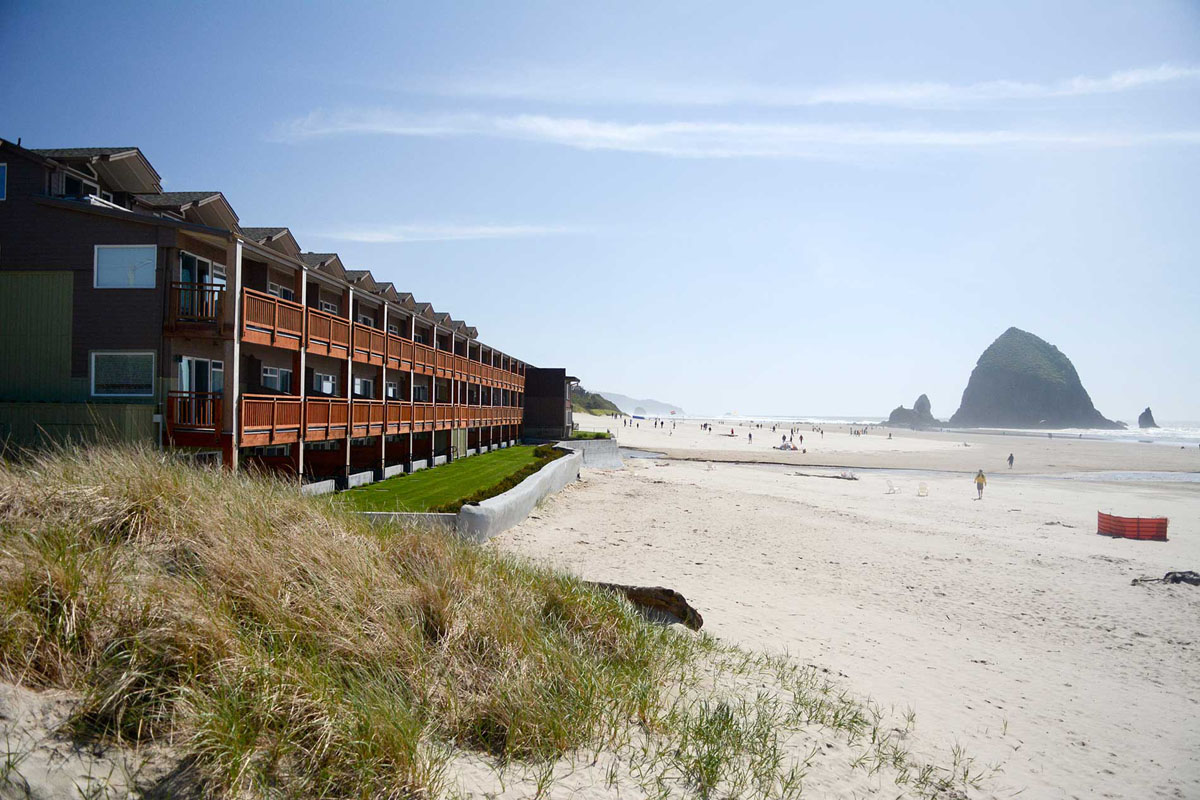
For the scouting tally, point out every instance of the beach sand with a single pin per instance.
(1006, 624)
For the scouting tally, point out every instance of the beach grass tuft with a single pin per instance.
(284, 647)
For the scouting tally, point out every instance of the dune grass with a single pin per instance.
(286, 649)
(442, 486)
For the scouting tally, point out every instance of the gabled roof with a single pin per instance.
(124, 169)
(387, 291)
(80, 152)
(262, 235)
(206, 208)
(471, 332)
(329, 263)
(279, 239)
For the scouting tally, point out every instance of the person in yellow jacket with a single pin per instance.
(980, 482)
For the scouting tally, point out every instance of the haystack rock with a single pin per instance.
(1146, 419)
(1022, 381)
(919, 416)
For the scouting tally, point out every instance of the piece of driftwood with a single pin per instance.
(1186, 576)
(658, 603)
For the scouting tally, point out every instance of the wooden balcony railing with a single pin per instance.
(399, 353)
(328, 335)
(444, 363)
(370, 344)
(195, 303)
(194, 418)
(267, 319)
(270, 419)
(326, 418)
(424, 360)
(367, 417)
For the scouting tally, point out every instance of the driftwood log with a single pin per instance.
(658, 603)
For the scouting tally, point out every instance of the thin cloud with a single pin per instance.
(562, 88)
(391, 234)
(707, 139)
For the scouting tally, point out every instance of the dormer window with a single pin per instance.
(78, 187)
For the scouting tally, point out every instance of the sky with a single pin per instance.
(763, 208)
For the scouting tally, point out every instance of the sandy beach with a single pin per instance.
(1006, 624)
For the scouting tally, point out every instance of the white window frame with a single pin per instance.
(369, 382)
(329, 308)
(3, 181)
(278, 374)
(393, 329)
(275, 290)
(92, 369)
(392, 390)
(96, 264)
(365, 319)
(87, 183)
(317, 382)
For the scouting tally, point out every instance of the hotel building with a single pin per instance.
(143, 314)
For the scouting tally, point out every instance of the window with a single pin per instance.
(393, 328)
(193, 269)
(125, 266)
(419, 337)
(128, 373)
(364, 387)
(278, 379)
(271, 450)
(201, 375)
(3, 181)
(78, 187)
(421, 394)
(366, 319)
(393, 390)
(282, 292)
(324, 384)
(329, 308)
(327, 445)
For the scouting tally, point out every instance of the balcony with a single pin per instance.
(326, 418)
(368, 416)
(194, 304)
(399, 353)
(269, 320)
(328, 335)
(194, 419)
(424, 359)
(369, 344)
(443, 364)
(270, 419)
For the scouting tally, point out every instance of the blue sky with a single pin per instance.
(757, 207)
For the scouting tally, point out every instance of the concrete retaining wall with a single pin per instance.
(483, 521)
(393, 471)
(439, 460)
(420, 464)
(318, 488)
(360, 479)
(597, 453)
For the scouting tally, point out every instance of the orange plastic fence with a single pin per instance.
(1150, 528)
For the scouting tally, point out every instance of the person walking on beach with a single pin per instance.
(750, 437)
(1010, 460)
(980, 482)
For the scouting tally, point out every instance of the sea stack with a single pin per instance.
(1146, 419)
(1022, 381)
(919, 416)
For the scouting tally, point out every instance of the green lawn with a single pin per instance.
(430, 488)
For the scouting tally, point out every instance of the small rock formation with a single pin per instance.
(658, 603)
(919, 416)
(1022, 381)
(1146, 419)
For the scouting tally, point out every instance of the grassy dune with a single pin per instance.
(287, 650)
